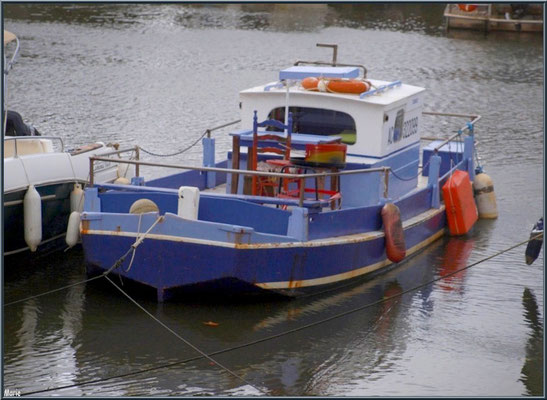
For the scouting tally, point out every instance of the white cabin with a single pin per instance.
(373, 125)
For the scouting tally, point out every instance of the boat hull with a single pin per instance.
(55, 200)
(494, 18)
(175, 265)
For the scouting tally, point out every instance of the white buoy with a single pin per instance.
(485, 197)
(123, 170)
(122, 181)
(32, 216)
(77, 198)
(188, 205)
(142, 206)
(73, 229)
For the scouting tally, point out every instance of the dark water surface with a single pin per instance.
(158, 76)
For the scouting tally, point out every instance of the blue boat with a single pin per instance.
(300, 203)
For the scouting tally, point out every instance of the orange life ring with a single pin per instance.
(353, 86)
(467, 7)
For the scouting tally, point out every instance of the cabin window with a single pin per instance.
(318, 121)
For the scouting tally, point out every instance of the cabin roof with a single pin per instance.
(382, 98)
(304, 71)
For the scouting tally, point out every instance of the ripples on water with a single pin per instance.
(159, 75)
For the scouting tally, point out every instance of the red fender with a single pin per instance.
(393, 230)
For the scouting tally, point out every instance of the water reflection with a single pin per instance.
(532, 371)
(45, 354)
(455, 257)
(158, 75)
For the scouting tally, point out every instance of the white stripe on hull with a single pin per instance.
(346, 275)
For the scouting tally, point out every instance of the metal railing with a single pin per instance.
(300, 177)
(293, 176)
(15, 139)
(469, 126)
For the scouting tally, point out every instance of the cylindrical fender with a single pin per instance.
(77, 198)
(393, 230)
(122, 181)
(32, 216)
(485, 197)
(73, 229)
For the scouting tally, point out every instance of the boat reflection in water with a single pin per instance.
(532, 371)
(457, 252)
(45, 354)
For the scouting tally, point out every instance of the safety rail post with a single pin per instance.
(433, 179)
(469, 149)
(301, 184)
(137, 156)
(208, 144)
(91, 174)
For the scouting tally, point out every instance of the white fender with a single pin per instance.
(485, 197)
(32, 216)
(142, 206)
(73, 229)
(123, 170)
(122, 181)
(188, 205)
(77, 198)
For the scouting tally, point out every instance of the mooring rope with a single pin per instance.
(207, 132)
(203, 354)
(285, 333)
(140, 239)
(114, 266)
(420, 169)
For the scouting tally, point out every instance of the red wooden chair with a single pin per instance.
(274, 142)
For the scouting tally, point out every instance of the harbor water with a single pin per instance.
(159, 75)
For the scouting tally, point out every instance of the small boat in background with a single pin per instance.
(325, 186)
(536, 242)
(512, 17)
(43, 182)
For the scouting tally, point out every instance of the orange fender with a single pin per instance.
(393, 230)
(461, 210)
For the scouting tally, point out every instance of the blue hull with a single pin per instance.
(239, 243)
(173, 265)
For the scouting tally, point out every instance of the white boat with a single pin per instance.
(43, 181)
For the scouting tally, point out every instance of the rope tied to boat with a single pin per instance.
(413, 176)
(206, 133)
(139, 240)
(271, 337)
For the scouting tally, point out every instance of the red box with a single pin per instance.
(461, 211)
